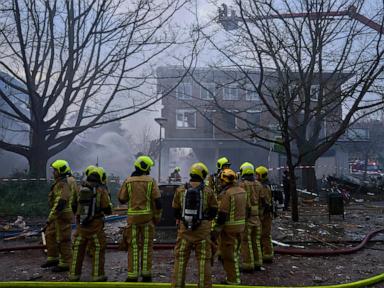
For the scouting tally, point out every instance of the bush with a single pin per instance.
(24, 198)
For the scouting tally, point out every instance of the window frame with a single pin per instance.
(231, 87)
(204, 88)
(249, 90)
(183, 121)
(183, 95)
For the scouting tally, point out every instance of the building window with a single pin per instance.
(207, 91)
(253, 117)
(251, 93)
(185, 118)
(230, 93)
(230, 120)
(315, 92)
(184, 91)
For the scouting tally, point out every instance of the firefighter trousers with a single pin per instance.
(139, 240)
(94, 238)
(58, 237)
(203, 254)
(251, 248)
(230, 245)
(266, 236)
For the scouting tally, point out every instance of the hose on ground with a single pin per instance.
(278, 250)
(313, 252)
(20, 284)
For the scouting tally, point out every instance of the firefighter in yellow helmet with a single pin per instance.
(265, 213)
(142, 196)
(195, 206)
(58, 226)
(214, 179)
(92, 204)
(230, 224)
(252, 257)
(175, 175)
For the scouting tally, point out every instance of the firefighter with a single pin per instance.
(230, 225)
(58, 225)
(251, 247)
(194, 228)
(265, 213)
(142, 196)
(214, 179)
(175, 175)
(92, 204)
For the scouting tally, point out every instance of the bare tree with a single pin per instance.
(72, 65)
(312, 65)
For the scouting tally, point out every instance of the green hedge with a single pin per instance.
(30, 198)
(25, 198)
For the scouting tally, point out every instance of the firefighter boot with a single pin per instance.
(50, 263)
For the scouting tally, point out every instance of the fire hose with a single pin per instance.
(291, 251)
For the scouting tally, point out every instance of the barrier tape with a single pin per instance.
(42, 179)
(118, 181)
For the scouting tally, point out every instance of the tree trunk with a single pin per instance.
(38, 156)
(309, 176)
(292, 183)
(365, 166)
(294, 195)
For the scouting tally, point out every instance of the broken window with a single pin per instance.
(186, 118)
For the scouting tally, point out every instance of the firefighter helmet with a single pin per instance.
(228, 176)
(144, 163)
(223, 161)
(262, 172)
(199, 169)
(103, 175)
(88, 170)
(247, 168)
(61, 166)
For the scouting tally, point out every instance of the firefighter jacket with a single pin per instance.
(209, 212)
(265, 198)
(214, 183)
(142, 196)
(61, 196)
(253, 190)
(233, 204)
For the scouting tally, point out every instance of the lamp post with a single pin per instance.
(161, 121)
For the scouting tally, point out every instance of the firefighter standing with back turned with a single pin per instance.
(195, 205)
(142, 196)
(58, 226)
(251, 247)
(230, 225)
(265, 214)
(92, 203)
(214, 179)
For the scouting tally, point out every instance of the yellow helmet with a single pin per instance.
(222, 161)
(61, 166)
(87, 170)
(228, 176)
(199, 169)
(246, 168)
(144, 163)
(263, 172)
(103, 175)
(98, 171)
(177, 169)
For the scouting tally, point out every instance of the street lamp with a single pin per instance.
(161, 121)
